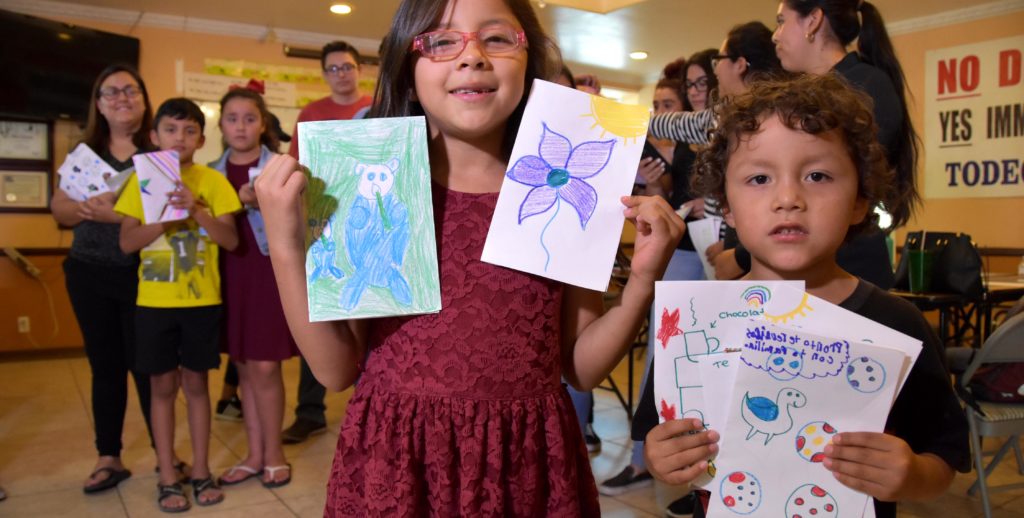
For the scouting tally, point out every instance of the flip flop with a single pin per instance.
(274, 469)
(114, 477)
(250, 472)
(168, 491)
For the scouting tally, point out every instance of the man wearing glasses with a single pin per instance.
(340, 64)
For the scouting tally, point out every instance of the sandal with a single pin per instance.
(114, 477)
(199, 486)
(181, 469)
(167, 492)
(271, 470)
(249, 473)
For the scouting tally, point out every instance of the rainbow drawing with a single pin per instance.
(756, 296)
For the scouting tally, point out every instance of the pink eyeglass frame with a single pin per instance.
(417, 42)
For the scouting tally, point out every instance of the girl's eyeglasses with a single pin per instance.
(446, 45)
(701, 84)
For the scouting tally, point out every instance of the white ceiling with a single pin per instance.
(590, 42)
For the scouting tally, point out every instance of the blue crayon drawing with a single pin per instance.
(558, 173)
(766, 416)
(376, 234)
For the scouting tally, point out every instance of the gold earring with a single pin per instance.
(810, 37)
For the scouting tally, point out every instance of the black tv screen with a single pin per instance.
(49, 67)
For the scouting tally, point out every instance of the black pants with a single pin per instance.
(103, 298)
(311, 396)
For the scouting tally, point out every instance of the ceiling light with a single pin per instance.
(638, 55)
(341, 8)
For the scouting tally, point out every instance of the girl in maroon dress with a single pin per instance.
(255, 329)
(462, 413)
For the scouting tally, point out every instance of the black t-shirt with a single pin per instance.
(927, 414)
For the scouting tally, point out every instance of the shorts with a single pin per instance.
(168, 338)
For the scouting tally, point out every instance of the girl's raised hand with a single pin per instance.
(279, 191)
(247, 194)
(678, 451)
(658, 231)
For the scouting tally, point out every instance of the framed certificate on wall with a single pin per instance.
(23, 140)
(24, 191)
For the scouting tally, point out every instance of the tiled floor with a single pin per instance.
(46, 450)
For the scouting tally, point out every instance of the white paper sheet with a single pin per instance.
(559, 213)
(159, 174)
(704, 233)
(793, 392)
(84, 174)
(691, 321)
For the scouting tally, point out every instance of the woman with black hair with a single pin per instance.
(812, 37)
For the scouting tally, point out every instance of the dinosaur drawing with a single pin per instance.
(767, 416)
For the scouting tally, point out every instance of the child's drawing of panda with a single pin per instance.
(376, 235)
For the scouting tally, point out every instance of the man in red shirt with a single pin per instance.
(340, 64)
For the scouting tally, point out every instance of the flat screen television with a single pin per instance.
(49, 67)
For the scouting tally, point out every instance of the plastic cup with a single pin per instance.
(921, 262)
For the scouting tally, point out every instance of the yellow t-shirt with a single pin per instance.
(180, 268)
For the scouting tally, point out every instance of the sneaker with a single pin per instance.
(593, 441)
(627, 480)
(229, 410)
(682, 507)
(301, 430)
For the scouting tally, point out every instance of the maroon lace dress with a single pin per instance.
(463, 413)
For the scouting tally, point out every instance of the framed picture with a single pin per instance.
(24, 191)
(24, 140)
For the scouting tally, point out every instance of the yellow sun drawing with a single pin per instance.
(628, 121)
(801, 309)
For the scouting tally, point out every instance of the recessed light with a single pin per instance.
(638, 55)
(341, 8)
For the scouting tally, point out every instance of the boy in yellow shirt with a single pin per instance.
(177, 321)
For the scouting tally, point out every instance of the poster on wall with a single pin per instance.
(974, 120)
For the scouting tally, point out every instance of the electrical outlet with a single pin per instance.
(24, 324)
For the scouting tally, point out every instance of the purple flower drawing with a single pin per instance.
(558, 174)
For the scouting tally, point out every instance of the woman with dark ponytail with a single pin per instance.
(813, 37)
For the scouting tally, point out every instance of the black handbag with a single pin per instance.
(955, 269)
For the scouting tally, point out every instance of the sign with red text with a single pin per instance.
(974, 120)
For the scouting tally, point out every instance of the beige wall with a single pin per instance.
(992, 222)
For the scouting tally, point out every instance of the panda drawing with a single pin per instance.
(376, 235)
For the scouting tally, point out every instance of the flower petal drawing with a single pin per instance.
(582, 197)
(589, 158)
(530, 170)
(538, 200)
(554, 148)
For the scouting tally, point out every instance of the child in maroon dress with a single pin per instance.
(255, 329)
(462, 413)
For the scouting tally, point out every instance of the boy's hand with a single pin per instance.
(677, 451)
(878, 464)
(182, 198)
(658, 231)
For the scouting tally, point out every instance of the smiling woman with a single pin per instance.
(102, 281)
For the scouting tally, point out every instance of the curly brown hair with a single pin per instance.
(812, 104)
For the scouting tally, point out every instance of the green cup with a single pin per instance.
(921, 262)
